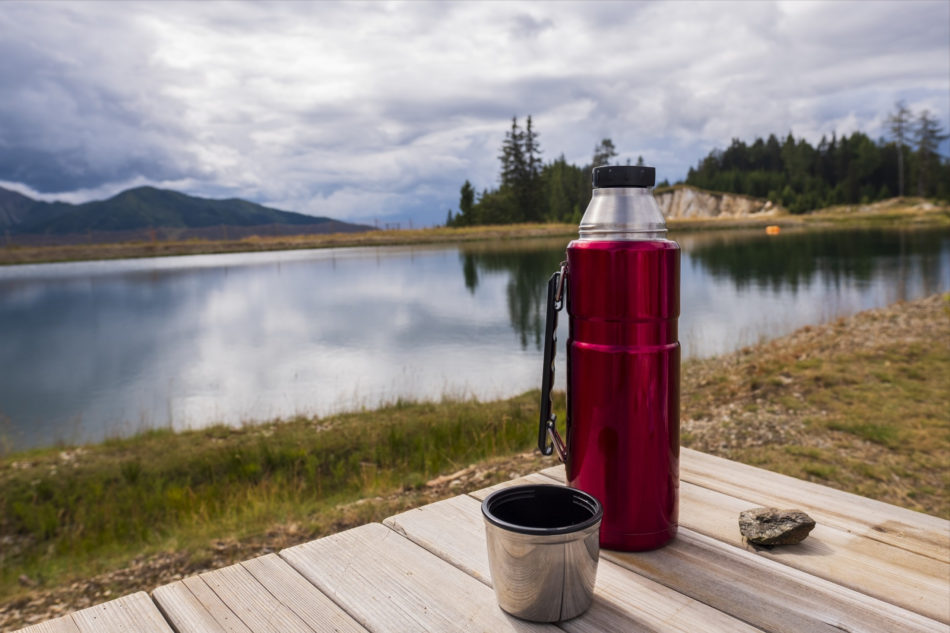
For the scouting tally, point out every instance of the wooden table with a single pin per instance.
(867, 566)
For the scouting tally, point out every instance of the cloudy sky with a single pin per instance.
(379, 111)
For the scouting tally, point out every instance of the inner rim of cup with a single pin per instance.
(542, 509)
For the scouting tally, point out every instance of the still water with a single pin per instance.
(98, 349)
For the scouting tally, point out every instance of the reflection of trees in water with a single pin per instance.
(913, 259)
(836, 256)
(529, 271)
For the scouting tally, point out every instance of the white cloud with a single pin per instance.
(382, 110)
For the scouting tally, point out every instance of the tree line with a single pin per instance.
(840, 170)
(531, 190)
(791, 172)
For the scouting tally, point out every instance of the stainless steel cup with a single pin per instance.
(543, 545)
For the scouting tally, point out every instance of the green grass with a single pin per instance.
(67, 512)
(822, 471)
(886, 434)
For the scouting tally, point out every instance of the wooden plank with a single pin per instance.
(910, 580)
(915, 582)
(192, 607)
(913, 531)
(447, 529)
(319, 612)
(765, 593)
(533, 478)
(623, 601)
(62, 624)
(387, 583)
(133, 613)
(555, 472)
(252, 602)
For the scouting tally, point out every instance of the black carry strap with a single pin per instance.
(546, 424)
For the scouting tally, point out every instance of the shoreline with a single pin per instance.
(858, 404)
(888, 213)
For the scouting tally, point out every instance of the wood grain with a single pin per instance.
(252, 602)
(914, 531)
(62, 624)
(387, 583)
(452, 529)
(192, 607)
(766, 593)
(844, 556)
(772, 595)
(133, 613)
(309, 604)
(623, 601)
(910, 580)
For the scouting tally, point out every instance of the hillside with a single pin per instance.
(686, 202)
(148, 212)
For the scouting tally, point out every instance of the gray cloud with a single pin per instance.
(378, 110)
(526, 25)
(76, 113)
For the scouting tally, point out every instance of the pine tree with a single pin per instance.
(531, 195)
(603, 153)
(927, 134)
(513, 164)
(899, 122)
(532, 151)
(558, 203)
(466, 205)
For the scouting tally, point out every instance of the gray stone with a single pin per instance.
(771, 526)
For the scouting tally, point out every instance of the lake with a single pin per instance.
(98, 349)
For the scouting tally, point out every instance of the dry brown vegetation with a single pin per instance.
(255, 243)
(902, 211)
(861, 404)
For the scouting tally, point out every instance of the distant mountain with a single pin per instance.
(149, 211)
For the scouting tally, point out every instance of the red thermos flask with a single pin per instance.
(621, 282)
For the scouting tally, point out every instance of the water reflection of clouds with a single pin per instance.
(319, 331)
(356, 340)
(194, 344)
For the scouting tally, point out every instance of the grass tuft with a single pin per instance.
(884, 434)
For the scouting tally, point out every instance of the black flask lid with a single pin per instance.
(623, 176)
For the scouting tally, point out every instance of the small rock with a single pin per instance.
(771, 526)
(26, 581)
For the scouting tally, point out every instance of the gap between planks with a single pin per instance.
(260, 595)
(453, 530)
(388, 583)
(876, 520)
(893, 574)
(134, 612)
(796, 600)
